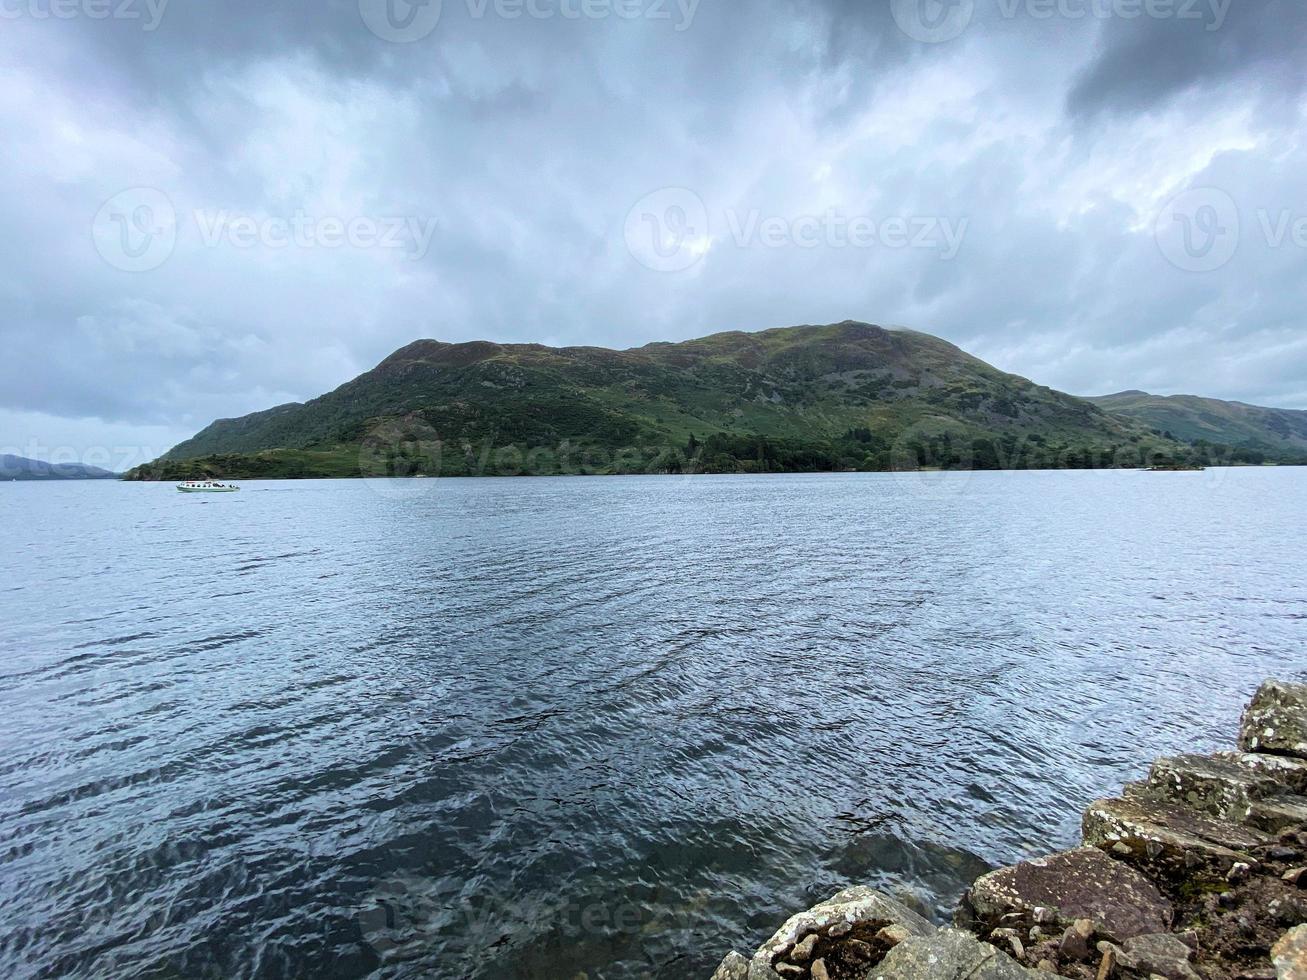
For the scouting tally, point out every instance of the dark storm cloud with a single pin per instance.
(171, 193)
(1145, 62)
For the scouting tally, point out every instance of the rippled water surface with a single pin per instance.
(590, 727)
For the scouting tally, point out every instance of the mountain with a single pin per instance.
(1275, 434)
(21, 468)
(843, 396)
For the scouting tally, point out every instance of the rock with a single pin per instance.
(1012, 938)
(853, 913)
(950, 954)
(1288, 772)
(1277, 815)
(1046, 966)
(1080, 884)
(1279, 852)
(864, 954)
(891, 936)
(1276, 720)
(1290, 955)
(819, 971)
(1215, 785)
(1296, 877)
(1239, 873)
(1076, 940)
(1107, 966)
(802, 951)
(734, 967)
(1161, 834)
(1162, 955)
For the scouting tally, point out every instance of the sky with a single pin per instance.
(213, 208)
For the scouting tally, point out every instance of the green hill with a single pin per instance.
(1271, 434)
(843, 396)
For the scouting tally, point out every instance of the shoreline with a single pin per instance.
(125, 478)
(1198, 872)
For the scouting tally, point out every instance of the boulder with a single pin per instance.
(1290, 955)
(1063, 888)
(950, 954)
(1158, 955)
(1163, 836)
(1276, 720)
(1279, 814)
(734, 967)
(848, 927)
(1214, 785)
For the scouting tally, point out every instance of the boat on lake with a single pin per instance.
(206, 486)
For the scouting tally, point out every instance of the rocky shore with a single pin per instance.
(1198, 872)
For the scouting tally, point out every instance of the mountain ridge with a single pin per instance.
(1194, 419)
(22, 468)
(850, 395)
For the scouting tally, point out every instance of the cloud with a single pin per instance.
(184, 204)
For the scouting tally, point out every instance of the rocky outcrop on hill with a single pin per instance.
(1198, 872)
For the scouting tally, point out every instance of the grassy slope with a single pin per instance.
(837, 396)
(1281, 434)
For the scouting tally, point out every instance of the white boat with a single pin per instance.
(206, 486)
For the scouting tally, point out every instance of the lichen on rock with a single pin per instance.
(1276, 720)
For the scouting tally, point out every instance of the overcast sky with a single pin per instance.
(212, 208)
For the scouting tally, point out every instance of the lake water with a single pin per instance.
(590, 727)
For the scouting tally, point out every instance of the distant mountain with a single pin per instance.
(21, 468)
(1277, 434)
(843, 396)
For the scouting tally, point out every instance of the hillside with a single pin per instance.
(22, 468)
(843, 396)
(1276, 434)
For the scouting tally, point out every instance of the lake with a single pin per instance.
(599, 727)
